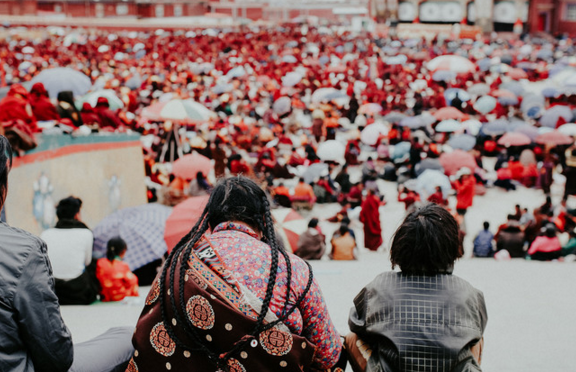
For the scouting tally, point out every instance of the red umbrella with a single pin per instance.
(189, 165)
(446, 113)
(514, 139)
(370, 109)
(517, 74)
(289, 226)
(502, 93)
(182, 219)
(454, 161)
(554, 138)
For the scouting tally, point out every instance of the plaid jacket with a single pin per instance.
(419, 323)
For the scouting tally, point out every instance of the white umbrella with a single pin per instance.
(319, 95)
(452, 63)
(568, 129)
(371, 133)
(291, 79)
(282, 105)
(427, 182)
(331, 150)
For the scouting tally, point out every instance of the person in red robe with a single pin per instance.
(107, 117)
(370, 217)
(42, 108)
(15, 106)
(89, 116)
(114, 275)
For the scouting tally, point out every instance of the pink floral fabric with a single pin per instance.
(249, 259)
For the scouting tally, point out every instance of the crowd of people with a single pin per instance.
(300, 110)
(297, 102)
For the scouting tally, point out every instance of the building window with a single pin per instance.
(99, 10)
(177, 10)
(571, 12)
(160, 10)
(121, 9)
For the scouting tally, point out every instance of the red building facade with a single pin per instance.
(554, 16)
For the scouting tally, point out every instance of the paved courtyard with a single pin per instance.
(531, 305)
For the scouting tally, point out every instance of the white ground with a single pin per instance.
(531, 305)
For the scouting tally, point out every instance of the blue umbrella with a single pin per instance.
(484, 64)
(61, 79)
(550, 92)
(513, 86)
(443, 75)
(427, 182)
(485, 104)
(496, 127)
(413, 122)
(428, 164)
(551, 116)
(508, 101)
(314, 171)
(449, 125)
(395, 117)
(451, 93)
(463, 142)
(528, 130)
(401, 150)
(397, 60)
(142, 228)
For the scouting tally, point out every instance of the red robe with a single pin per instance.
(370, 217)
(116, 279)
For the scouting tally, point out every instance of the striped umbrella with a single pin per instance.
(178, 110)
(289, 226)
(141, 227)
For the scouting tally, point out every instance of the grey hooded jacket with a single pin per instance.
(33, 336)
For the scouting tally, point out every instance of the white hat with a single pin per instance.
(464, 171)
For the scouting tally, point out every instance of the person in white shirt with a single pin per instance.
(70, 245)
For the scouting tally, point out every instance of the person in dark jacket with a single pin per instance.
(396, 312)
(311, 245)
(33, 336)
(66, 108)
(511, 238)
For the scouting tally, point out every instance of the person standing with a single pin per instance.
(70, 245)
(465, 187)
(370, 217)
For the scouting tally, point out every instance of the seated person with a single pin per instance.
(116, 279)
(199, 186)
(303, 193)
(504, 178)
(511, 238)
(311, 244)
(396, 312)
(70, 246)
(438, 197)
(546, 247)
(483, 246)
(343, 244)
(282, 196)
(355, 195)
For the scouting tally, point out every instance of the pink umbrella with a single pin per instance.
(502, 93)
(454, 161)
(514, 139)
(517, 74)
(452, 63)
(554, 138)
(446, 113)
(182, 219)
(370, 109)
(189, 165)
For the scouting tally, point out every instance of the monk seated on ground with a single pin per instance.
(303, 197)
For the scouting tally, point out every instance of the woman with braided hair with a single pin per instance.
(232, 299)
